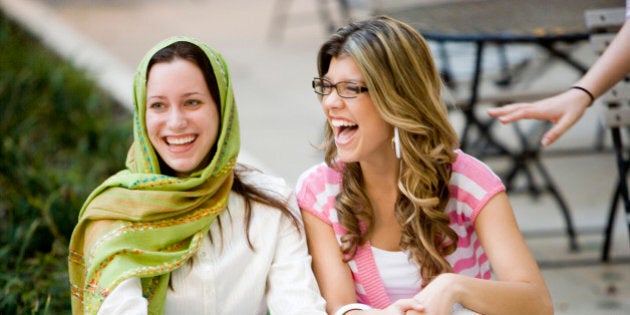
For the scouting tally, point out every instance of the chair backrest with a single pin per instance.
(604, 24)
(605, 19)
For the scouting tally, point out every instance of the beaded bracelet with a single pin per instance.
(350, 307)
(585, 91)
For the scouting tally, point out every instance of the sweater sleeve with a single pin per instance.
(292, 288)
(125, 299)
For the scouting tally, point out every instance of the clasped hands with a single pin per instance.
(437, 298)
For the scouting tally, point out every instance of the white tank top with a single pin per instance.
(400, 276)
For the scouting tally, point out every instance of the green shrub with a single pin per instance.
(60, 136)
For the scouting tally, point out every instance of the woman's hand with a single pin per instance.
(400, 307)
(563, 110)
(439, 296)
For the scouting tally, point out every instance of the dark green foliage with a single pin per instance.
(60, 136)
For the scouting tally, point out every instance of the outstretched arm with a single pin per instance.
(566, 108)
(519, 287)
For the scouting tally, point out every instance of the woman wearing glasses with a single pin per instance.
(398, 219)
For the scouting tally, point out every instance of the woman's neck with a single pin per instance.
(381, 176)
(381, 187)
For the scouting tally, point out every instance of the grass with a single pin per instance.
(60, 136)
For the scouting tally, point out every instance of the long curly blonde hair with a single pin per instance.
(405, 87)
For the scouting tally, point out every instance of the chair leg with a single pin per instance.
(622, 190)
(614, 202)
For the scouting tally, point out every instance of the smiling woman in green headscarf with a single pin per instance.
(185, 227)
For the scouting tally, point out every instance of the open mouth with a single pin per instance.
(182, 140)
(344, 130)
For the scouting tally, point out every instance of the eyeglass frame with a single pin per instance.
(360, 88)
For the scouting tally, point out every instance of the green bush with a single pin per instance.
(60, 136)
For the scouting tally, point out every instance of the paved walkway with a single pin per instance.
(281, 119)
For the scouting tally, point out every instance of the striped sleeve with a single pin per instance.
(473, 184)
(316, 191)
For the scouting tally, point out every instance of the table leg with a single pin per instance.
(530, 153)
(445, 71)
(519, 159)
(553, 190)
(470, 117)
(564, 56)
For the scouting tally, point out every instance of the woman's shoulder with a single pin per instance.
(473, 184)
(319, 174)
(266, 185)
(254, 177)
(317, 188)
(468, 168)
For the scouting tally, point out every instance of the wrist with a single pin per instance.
(586, 92)
(453, 286)
(346, 309)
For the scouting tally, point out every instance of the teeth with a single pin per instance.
(180, 140)
(342, 123)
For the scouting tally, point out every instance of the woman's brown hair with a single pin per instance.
(405, 87)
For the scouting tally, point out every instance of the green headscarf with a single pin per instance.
(140, 223)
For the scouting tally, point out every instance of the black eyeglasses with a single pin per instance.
(345, 89)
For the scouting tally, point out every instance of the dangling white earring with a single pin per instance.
(397, 143)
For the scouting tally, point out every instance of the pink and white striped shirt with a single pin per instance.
(472, 185)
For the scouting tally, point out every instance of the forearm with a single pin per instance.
(518, 286)
(501, 297)
(332, 273)
(612, 66)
